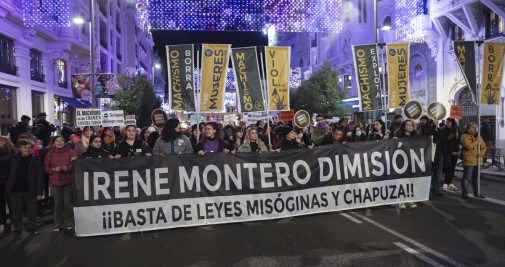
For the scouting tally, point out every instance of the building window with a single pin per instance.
(494, 25)
(7, 108)
(347, 10)
(36, 66)
(103, 62)
(118, 48)
(62, 73)
(102, 5)
(103, 34)
(347, 82)
(62, 111)
(7, 64)
(118, 68)
(37, 103)
(362, 11)
(418, 71)
(118, 22)
(457, 33)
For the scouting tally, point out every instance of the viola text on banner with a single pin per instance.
(278, 65)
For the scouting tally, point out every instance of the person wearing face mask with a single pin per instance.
(59, 167)
(357, 134)
(131, 146)
(302, 138)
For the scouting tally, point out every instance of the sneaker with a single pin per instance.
(452, 187)
(444, 188)
(70, 227)
(412, 205)
(465, 196)
(56, 229)
(402, 206)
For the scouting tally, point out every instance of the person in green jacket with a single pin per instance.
(252, 143)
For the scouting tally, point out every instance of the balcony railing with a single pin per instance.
(9, 69)
(37, 76)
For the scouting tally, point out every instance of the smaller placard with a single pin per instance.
(413, 110)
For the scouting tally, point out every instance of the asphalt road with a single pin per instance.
(444, 231)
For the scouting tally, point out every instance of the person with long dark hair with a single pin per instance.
(171, 141)
(379, 131)
(406, 130)
(95, 149)
(82, 144)
(211, 141)
(452, 154)
(357, 135)
(108, 139)
(131, 146)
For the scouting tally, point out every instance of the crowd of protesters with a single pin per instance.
(27, 168)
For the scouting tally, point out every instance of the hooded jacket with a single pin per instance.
(59, 157)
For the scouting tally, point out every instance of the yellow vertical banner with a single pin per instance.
(214, 69)
(278, 64)
(492, 73)
(398, 74)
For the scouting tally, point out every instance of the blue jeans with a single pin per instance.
(469, 171)
(437, 172)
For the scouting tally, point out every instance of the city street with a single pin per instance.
(444, 231)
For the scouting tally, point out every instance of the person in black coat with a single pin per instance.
(95, 150)
(211, 141)
(131, 146)
(43, 129)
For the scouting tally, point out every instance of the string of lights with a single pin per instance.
(408, 20)
(47, 13)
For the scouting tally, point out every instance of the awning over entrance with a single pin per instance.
(73, 102)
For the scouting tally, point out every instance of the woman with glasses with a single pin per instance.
(58, 165)
(131, 146)
(252, 143)
(95, 149)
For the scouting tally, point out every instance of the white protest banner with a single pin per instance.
(229, 119)
(130, 120)
(112, 118)
(253, 117)
(88, 117)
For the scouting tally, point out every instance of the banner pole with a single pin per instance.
(198, 89)
(265, 91)
(479, 89)
(384, 103)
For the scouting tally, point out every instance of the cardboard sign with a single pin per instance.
(253, 117)
(287, 115)
(112, 118)
(88, 117)
(457, 112)
(130, 120)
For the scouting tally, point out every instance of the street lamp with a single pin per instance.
(157, 66)
(81, 20)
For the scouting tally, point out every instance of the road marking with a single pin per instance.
(418, 254)
(350, 217)
(410, 240)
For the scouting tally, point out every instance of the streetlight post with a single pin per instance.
(381, 45)
(80, 20)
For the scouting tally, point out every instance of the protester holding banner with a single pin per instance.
(287, 140)
(6, 150)
(252, 143)
(321, 133)
(451, 153)
(82, 144)
(211, 141)
(238, 137)
(337, 137)
(95, 149)
(59, 167)
(395, 125)
(302, 138)
(131, 146)
(24, 185)
(172, 142)
(108, 140)
(471, 157)
(343, 123)
(357, 134)
(379, 131)
(426, 126)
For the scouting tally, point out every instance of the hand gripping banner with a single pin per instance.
(278, 65)
(247, 79)
(214, 69)
(140, 194)
(366, 64)
(398, 69)
(181, 80)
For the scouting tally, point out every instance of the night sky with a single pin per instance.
(236, 39)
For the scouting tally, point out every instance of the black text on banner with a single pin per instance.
(465, 55)
(117, 196)
(366, 64)
(181, 77)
